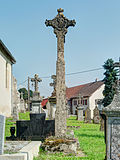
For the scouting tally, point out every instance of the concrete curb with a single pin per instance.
(26, 153)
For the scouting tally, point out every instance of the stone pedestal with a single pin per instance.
(80, 113)
(36, 103)
(112, 113)
(52, 108)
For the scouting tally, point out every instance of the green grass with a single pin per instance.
(24, 116)
(91, 141)
(10, 123)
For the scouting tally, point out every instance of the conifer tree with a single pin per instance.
(109, 81)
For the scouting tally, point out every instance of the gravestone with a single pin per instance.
(88, 115)
(22, 104)
(36, 128)
(2, 133)
(15, 114)
(36, 99)
(112, 113)
(60, 25)
(80, 113)
(96, 115)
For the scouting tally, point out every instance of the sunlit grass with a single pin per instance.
(91, 141)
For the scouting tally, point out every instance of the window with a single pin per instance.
(75, 102)
(85, 102)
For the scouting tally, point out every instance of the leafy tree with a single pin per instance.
(25, 93)
(109, 81)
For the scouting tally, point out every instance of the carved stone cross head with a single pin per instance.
(36, 79)
(54, 81)
(53, 84)
(60, 23)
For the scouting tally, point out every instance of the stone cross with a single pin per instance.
(2, 133)
(60, 25)
(36, 79)
(53, 84)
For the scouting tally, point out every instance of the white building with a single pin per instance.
(6, 62)
(90, 94)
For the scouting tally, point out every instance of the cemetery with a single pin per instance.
(80, 122)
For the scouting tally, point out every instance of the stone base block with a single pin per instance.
(18, 156)
(32, 149)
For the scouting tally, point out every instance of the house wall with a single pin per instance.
(74, 106)
(5, 85)
(96, 95)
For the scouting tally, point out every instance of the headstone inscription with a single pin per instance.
(60, 25)
(88, 115)
(112, 113)
(2, 133)
(96, 115)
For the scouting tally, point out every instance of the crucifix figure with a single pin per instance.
(53, 85)
(60, 25)
(36, 79)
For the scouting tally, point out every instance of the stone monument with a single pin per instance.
(22, 104)
(80, 109)
(96, 115)
(88, 115)
(53, 85)
(60, 25)
(112, 134)
(36, 99)
(2, 133)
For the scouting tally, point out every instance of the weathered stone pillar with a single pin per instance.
(60, 25)
(112, 132)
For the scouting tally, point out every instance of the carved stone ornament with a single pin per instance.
(60, 23)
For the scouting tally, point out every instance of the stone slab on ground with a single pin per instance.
(17, 156)
(14, 146)
(27, 152)
(32, 149)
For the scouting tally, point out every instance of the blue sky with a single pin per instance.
(94, 39)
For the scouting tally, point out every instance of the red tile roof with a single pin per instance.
(85, 90)
(43, 103)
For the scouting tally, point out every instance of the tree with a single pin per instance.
(109, 81)
(25, 93)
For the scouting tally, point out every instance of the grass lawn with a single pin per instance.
(91, 140)
(10, 123)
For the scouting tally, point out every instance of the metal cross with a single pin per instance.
(36, 79)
